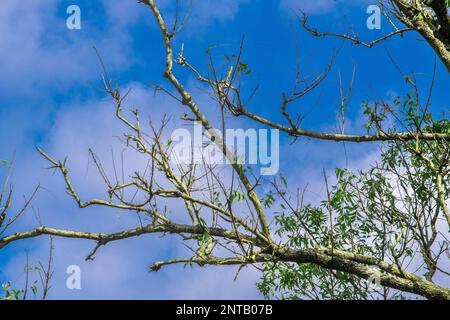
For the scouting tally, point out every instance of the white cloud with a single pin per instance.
(38, 49)
(120, 269)
(205, 12)
(40, 52)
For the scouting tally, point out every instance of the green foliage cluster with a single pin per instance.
(372, 212)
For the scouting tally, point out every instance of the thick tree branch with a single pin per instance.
(298, 132)
(104, 238)
(359, 265)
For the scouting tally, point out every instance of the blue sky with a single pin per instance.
(49, 87)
